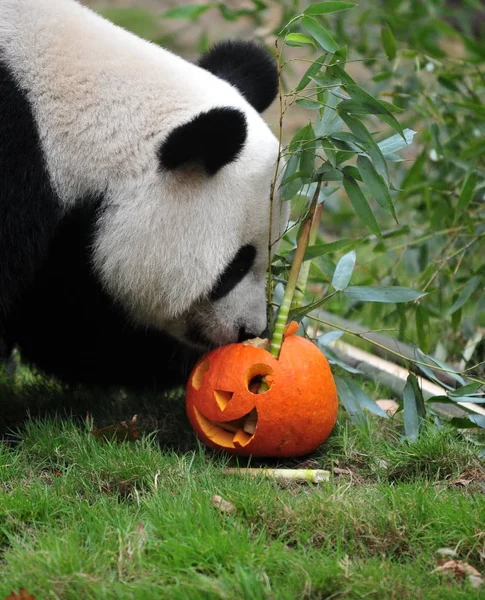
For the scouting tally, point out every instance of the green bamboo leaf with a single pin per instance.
(360, 204)
(328, 173)
(388, 43)
(411, 402)
(302, 136)
(307, 151)
(297, 175)
(343, 271)
(361, 107)
(475, 150)
(466, 390)
(422, 326)
(396, 142)
(450, 370)
(364, 400)
(352, 171)
(349, 401)
(468, 290)
(320, 34)
(312, 71)
(466, 195)
(293, 178)
(291, 168)
(322, 8)
(329, 121)
(322, 249)
(368, 143)
(456, 318)
(471, 421)
(374, 106)
(327, 339)
(479, 109)
(333, 359)
(383, 294)
(292, 188)
(299, 39)
(188, 11)
(309, 104)
(414, 176)
(340, 73)
(376, 185)
(426, 369)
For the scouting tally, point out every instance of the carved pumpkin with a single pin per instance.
(293, 417)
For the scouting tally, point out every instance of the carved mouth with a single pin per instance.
(229, 434)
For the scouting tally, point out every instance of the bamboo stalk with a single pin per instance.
(309, 475)
(299, 294)
(282, 317)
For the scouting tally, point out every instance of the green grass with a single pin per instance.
(80, 518)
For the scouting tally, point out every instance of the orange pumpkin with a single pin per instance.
(293, 417)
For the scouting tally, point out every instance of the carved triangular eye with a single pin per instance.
(212, 139)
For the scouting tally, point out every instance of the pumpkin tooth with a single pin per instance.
(251, 422)
(241, 439)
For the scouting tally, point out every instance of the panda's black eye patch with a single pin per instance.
(237, 269)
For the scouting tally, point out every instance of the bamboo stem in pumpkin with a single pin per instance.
(305, 267)
(303, 238)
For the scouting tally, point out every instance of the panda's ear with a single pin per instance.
(212, 139)
(247, 66)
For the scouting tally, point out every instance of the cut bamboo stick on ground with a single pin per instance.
(308, 475)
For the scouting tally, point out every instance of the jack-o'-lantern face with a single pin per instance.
(294, 416)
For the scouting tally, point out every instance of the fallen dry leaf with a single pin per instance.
(223, 505)
(461, 482)
(389, 406)
(460, 569)
(126, 431)
(22, 595)
(339, 471)
(475, 581)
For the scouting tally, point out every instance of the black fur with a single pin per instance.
(247, 66)
(69, 327)
(29, 207)
(236, 270)
(213, 139)
(51, 304)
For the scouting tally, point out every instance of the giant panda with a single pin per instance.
(134, 197)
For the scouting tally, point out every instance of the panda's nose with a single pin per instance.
(244, 334)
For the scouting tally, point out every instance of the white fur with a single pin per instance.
(104, 100)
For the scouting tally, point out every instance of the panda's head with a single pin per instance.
(184, 246)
